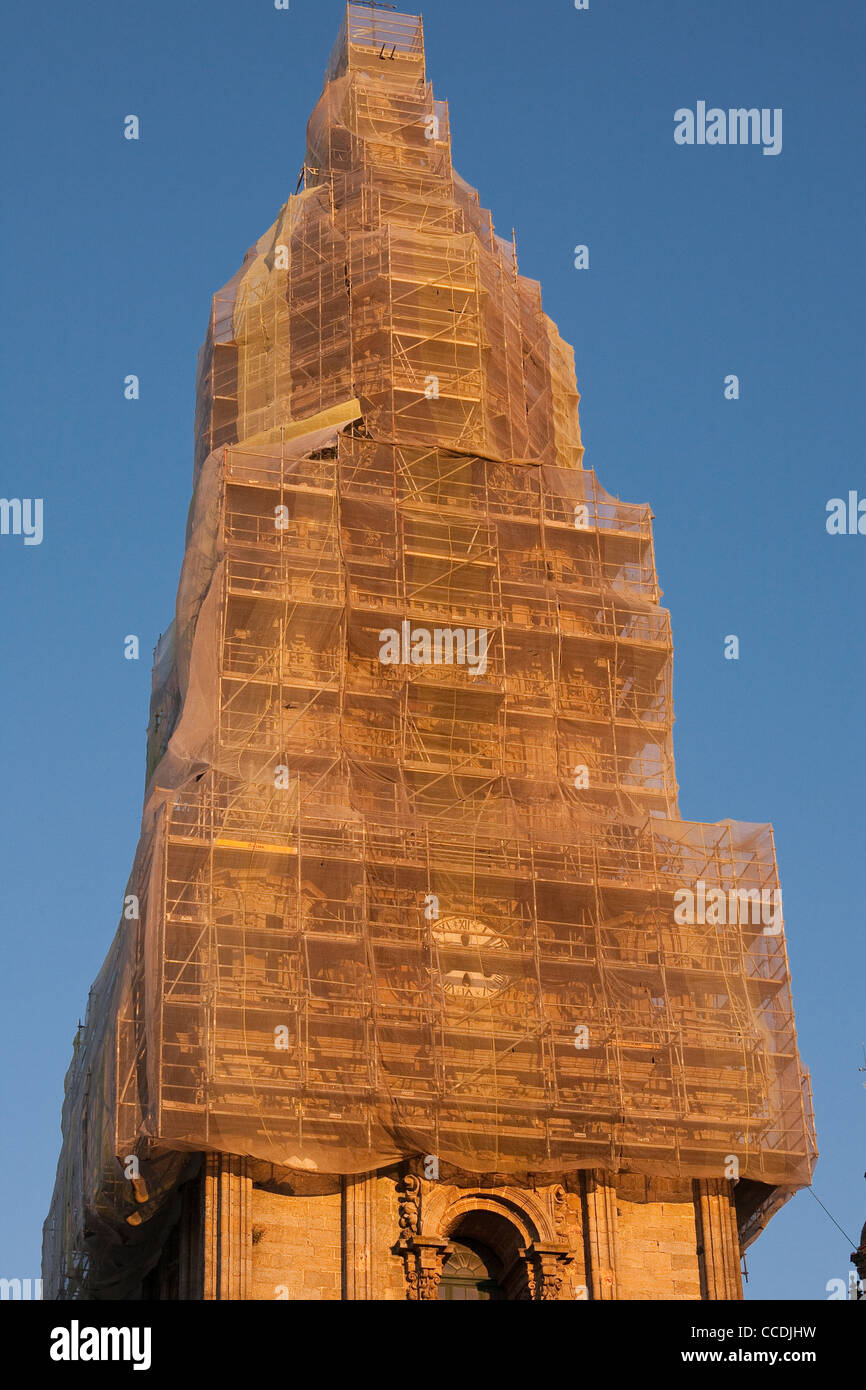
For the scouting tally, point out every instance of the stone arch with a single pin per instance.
(517, 1229)
(526, 1211)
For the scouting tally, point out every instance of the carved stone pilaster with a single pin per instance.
(424, 1257)
(718, 1244)
(359, 1236)
(546, 1267)
(226, 1228)
(600, 1234)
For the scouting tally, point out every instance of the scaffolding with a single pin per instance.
(428, 902)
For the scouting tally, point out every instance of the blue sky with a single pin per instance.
(703, 262)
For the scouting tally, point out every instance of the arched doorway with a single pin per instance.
(470, 1273)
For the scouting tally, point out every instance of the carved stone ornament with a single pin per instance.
(409, 1195)
(424, 1258)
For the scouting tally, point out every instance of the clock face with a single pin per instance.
(460, 942)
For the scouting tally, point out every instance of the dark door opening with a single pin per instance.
(470, 1274)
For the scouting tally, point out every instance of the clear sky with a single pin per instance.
(704, 261)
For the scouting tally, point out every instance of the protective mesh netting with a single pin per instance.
(411, 859)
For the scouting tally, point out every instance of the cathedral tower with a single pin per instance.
(423, 989)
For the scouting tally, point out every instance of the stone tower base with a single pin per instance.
(247, 1233)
